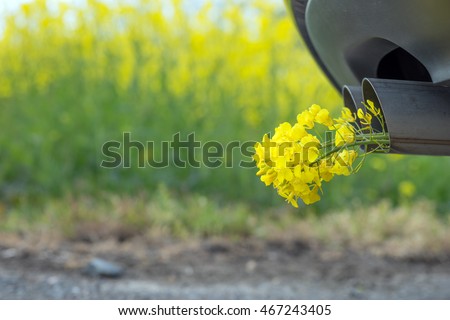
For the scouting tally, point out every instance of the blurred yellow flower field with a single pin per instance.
(75, 76)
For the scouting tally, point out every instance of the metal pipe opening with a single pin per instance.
(417, 114)
(353, 99)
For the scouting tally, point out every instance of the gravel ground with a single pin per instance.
(216, 270)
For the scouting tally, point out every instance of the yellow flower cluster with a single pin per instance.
(296, 160)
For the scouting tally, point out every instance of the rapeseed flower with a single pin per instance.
(296, 160)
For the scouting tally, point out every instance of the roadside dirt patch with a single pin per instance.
(213, 269)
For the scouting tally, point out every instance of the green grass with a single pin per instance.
(410, 231)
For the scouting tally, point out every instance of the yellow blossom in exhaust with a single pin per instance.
(372, 109)
(345, 134)
(323, 117)
(306, 119)
(296, 160)
(365, 118)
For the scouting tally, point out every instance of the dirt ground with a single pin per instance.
(213, 269)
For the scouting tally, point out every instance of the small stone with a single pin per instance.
(103, 268)
(10, 253)
(250, 266)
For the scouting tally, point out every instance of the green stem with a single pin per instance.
(365, 138)
(382, 139)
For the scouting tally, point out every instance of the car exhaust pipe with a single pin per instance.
(416, 114)
(353, 98)
(361, 44)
